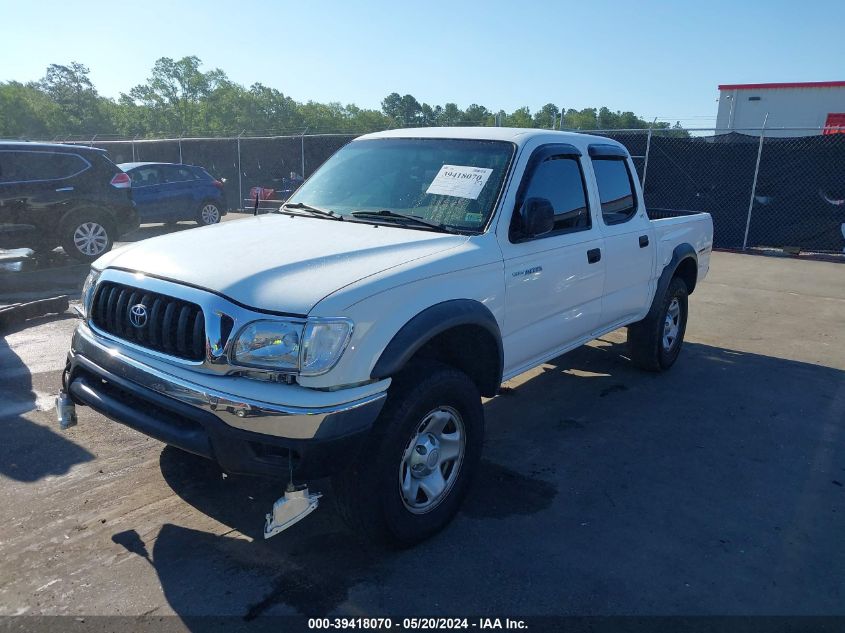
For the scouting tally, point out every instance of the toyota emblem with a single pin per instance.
(138, 315)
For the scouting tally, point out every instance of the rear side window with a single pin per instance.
(559, 180)
(34, 166)
(616, 190)
(174, 173)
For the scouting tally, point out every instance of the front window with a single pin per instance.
(145, 176)
(452, 182)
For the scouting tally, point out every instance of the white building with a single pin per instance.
(809, 108)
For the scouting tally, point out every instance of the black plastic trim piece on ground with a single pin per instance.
(20, 312)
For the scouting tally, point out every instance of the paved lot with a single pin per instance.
(716, 488)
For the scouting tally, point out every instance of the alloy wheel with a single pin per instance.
(671, 325)
(432, 460)
(91, 238)
(210, 214)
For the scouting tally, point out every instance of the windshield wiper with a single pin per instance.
(315, 211)
(387, 214)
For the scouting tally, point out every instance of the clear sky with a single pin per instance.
(658, 59)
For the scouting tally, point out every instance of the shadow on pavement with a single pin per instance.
(602, 481)
(23, 443)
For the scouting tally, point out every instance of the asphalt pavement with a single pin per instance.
(715, 488)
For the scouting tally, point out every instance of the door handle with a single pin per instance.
(593, 255)
(643, 241)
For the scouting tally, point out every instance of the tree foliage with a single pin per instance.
(181, 99)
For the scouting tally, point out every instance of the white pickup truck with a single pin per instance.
(353, 333)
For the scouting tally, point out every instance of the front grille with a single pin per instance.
(165, 324)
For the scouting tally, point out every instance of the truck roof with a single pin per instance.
(515, 135)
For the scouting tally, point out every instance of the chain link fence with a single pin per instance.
(763, 190)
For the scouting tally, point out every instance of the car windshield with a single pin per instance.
(451, 182)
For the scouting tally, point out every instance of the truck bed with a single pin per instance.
(673, 227)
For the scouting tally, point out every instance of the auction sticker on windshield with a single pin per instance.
(459, 181)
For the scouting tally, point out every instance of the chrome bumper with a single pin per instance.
(276, 420)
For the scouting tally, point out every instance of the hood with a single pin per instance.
(278, 262)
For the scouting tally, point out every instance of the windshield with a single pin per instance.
(452, 182)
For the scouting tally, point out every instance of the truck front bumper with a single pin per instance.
(242, 436)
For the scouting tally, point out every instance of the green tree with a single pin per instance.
(580, 119)
(521, 117)
(180, 98)
(451, 115)
(26, 111)
(477, 115)
(174, 93)
(78, 103)
(547, 116)
(404, 111)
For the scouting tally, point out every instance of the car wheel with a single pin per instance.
(209, 213)
(655, 342)
(87, 235)
(412, 475)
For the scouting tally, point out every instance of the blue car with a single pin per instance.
(170, 192)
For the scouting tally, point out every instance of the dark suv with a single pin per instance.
(67, 195)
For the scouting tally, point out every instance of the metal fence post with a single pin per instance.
(134, 159)
(240, 174)
(302, 151)
(180, 149)
(754, 182)
(647, 152)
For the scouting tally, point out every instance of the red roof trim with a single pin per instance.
(799, 84)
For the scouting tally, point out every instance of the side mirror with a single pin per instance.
(538, 217)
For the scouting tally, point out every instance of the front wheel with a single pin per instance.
(209, 213)
(656, 341)
(411, 477)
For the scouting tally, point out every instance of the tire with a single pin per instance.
(369, 493)
(656, 341)
(43, 247)
(87, 234)
(208, 213)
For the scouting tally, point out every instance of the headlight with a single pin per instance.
(323, 344)
(311, 348)
(269, 345)
(88, 292)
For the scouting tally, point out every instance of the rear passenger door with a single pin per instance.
(36, 188)
(629, 251)
(553, 282)
(177, 192)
